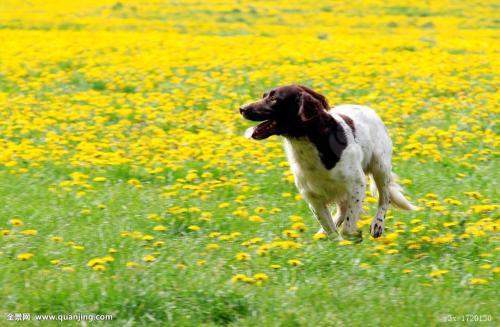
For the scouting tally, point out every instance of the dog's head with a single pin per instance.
(285, 110)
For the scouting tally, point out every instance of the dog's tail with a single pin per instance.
(395, 193)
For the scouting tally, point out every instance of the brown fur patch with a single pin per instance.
(349, 122)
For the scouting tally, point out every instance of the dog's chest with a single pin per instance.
(311, 176)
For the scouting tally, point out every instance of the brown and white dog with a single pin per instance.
(330, 151)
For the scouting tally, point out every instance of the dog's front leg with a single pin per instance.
(323, 215)
(354, 201)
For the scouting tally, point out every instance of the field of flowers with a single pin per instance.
(127, 188)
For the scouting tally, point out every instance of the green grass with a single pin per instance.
(152, 73)
(329, 288)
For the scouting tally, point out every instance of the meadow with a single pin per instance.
(127, 187)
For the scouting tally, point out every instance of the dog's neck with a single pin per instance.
(326, 134)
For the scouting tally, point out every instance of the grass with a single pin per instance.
(126, 180)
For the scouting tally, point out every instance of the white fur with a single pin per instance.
(368, 151)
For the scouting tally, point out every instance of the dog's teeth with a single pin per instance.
(249, 132)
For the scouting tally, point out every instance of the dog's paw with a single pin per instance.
(321, 231)
(376, 229)
(356, 237)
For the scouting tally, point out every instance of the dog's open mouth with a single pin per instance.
(262, 130)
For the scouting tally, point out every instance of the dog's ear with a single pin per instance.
(322, 100)
(309, 108)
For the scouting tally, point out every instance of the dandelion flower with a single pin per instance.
(478, 281)
(242, 256)
(160, 228)
(16, 222)
(132, 264)
(319, 236)
(29, 232)
(438, 273)
(238, 278)
(149, 258)
(260, 277)
(345, 242)
(212, 246)
(294, 262)
(25, 256)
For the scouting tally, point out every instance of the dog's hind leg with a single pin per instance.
(324, 217)
(354, 207)
(339, 217)
(340, 214)
(382, 175)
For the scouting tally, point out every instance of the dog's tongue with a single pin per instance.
(261, 131)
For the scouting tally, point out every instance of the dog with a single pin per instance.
(330, 152)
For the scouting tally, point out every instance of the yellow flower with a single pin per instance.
(180, 266)
(212, 246)
(99, 267)
(290, 233)
(260, 277)
(450, 223)
(5, 232)
(132, 264)
(99, 179)
(249, 280)
(275, 266)
(149, 258)
(30, 232)
(294, 262)
(134, 182)
(438, 273)
(319, 236)
(147, 237)
(56, 239)
(68, 269)
(242, 256)
(55, 261)
(299, 226)
(478, 281)
(16, 222)
(158, 243)
(201, 262)
(448, 238)
(485, 266)
(160, 228)
(108, 258)
(256, 219)
(296, 219)
(194, 228)
(407, 271)
(260, 210)
(345, 242)
(238, 278)
(25, 256)
(95, 261)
